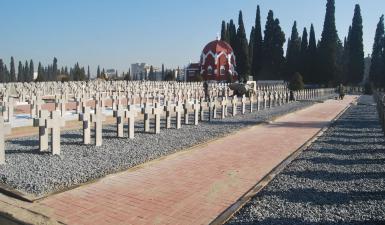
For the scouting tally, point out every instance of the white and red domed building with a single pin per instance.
(217, 63)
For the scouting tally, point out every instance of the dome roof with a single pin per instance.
(218, 46)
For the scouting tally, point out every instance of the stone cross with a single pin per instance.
(118, 114)
(251, 99)
(98, 119)
(196, 107)
(146, 110)
(168, 108)
(178, 109)
(5, 128)
(243, 100)
(224, 107)
(202, 104)
(55, 123)
(157, 111)
(85, 117)
(61, 106)
(43, 130)
(130, 114)
(186, 107)
(264, 100)
(234, 104)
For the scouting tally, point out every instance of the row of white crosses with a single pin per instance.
(53, 121)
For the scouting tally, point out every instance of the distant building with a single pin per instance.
(140, 71)
(111, 73)
(192, 71)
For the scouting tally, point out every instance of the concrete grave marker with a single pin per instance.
(5, 128)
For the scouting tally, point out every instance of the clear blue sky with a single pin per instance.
(116, 33)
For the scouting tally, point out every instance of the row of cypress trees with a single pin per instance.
(48, 73)
(325, 62)
(377, 69)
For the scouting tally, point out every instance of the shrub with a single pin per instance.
(296, 82)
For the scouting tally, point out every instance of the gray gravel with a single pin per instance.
(340, 179)
(35, 173)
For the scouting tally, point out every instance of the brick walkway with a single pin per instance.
(193, 187)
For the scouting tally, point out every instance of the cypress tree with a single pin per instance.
(12, 71)
(40, 73)
(2, 72)
(356, 63)
(224, 32)
(328, 47)
(6, 74)
(251, 46)
(375, 74)
(303, 55)
(88, 73)
(293, 53)
(54, 69)
(242, 50)
(273, 60)
(31, 71)
(26, 72)
(232, 35)
(20, 72)
(98, 72)
(257, 47)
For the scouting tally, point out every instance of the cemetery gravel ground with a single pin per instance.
(339, 179)
(35, 173)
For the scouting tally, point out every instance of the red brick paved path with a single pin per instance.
(196, 186)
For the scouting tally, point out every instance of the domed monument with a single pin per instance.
(218, 61)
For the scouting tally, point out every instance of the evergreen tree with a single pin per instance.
(273, 60)
(293, 53)
(224, 32)
(232, 35)
(88, 73)
(163, 73)
(26, 72)
(31, 71)
(12, 71)
(251, 46)
(54, 69)
(257, 46)
(2, 72)
(356, 63)
(304, 55)
(328, 47)
(151, 74)
(98, 72)
(40, 73)
(376, 76)
(6, 74)
(20, 72)
(242, 50)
